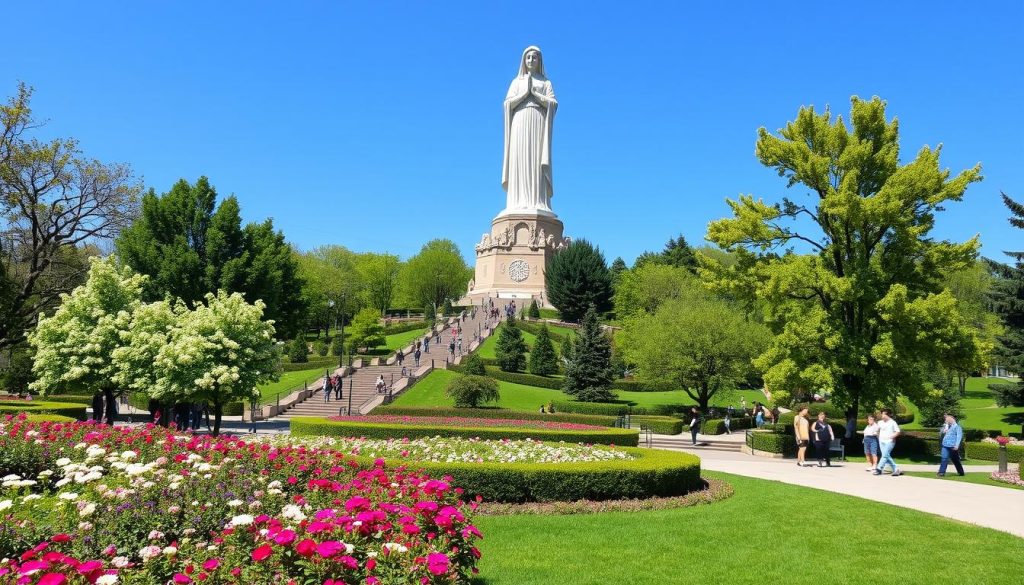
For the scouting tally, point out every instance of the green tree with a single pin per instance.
(588, 374)
(437, 273)
(379, 274)
(73, 347)
(472, 391)
(862, 312)
(190, 246)
(972, 288)
(337, 346)
(702, 345)
(616, 269)
(366, 330)
(543, 360)
(17, 376)
(474, 365)
(1008, 299)
(217, 353)
(56, 204)
(298, 350)
(332, 285)
(511, 349)
(533, 311)
(941, 399)
(679, 254)
(643, 289)
(577, 279)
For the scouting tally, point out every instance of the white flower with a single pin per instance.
(129, 455)
(11, 477)
(106, 580)
(242, 520)
(170, 550)
(5, 504)
(69, 496)
(148, 552)
(155, 535)
(84, 526)
(121, 562)
(88, 510)
(235, 503)
(62, 462)
(45, 473)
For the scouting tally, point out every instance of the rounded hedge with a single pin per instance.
(69, 409)
(653, 473)
(319, 426)
(662, 425)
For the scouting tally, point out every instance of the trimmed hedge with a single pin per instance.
(773, 442)
(654, 473)
(407, 326)
(319, 426)
(324, 363)
(716, 426)
(619, 408)
(69, 409)
(504, 413)
(662, 425)
(85, 399)
(50, 418)
(990, 452)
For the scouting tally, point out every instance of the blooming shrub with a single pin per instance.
(463, 450)
(1004, 441)
(469, 422)
(86, 503)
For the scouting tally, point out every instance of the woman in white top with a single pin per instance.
(381, 384)
(871, 443)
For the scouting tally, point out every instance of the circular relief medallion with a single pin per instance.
(519, 270)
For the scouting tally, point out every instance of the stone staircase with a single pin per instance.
(729, 443)
(359, 388)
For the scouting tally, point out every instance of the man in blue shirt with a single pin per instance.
(952, 435)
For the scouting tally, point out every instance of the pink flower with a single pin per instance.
(182, 578)
(329, 548)
(211, 564)
(285, 537)
(306, 547)
(53, 579)
(437, 563)
(262, 552)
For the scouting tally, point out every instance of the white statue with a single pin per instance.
(529, 113)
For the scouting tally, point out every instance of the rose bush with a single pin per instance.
(87, 503)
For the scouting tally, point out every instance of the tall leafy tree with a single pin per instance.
(190, 246)
(366, 330)
(55, 203)
(332, 287)
(588, 373)
(577, 279)
(379, 274)
(861, 313)
(700, 344)
(644, 288)
(436, 274)
(972, 288)
(73, 347)
(1008, 300)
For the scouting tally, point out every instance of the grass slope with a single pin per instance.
(288, 381)
(767, 532)
(981, 410)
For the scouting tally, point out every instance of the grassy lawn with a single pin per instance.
(395, 341)
(490, 344)
(981, 411)
(764, 533)
(969, 477)
(430, 392)
(288, 381)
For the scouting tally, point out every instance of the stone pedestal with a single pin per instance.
(512, 258)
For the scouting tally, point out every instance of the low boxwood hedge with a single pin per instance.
(85, 399)
(49, 418)
(406, 326)
(69, 409)
(662, 425)
(716, 426)
(641, 386)
(990, 452)
(653, 473)
(619, 408)
(319, 426)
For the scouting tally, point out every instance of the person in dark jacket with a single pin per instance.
(694, 424)
(821, 434)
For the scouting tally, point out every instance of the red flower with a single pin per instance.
(306, 547)
(262, 552)
(52, 579)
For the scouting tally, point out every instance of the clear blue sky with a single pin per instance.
(377, 125)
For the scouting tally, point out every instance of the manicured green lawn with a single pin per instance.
(288, 381)
(396, 341)
(981, 411)
(490, 344)
(430, 392)
(969, 477)
(767, 532)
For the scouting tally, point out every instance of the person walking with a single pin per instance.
(728, 421)
(338, 383)
(400, 356)
(426, 345)
(952, 435)
(416, 356)
(758, 415)
(801, 429)
(380, 384)
(326, 387)
(458, 345)
(871, 443)
(823, 436)
(694, 424)
(451, 347)
(888, 430)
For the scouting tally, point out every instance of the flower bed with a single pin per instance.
(467, 422)
(465, 450)
(86, 503)
(311, 426)
(1011, 476)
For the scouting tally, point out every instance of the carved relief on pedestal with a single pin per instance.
(518, 270)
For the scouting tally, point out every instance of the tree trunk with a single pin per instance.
(218, 410)
(703, 398)
(962, 379)
(109, 410)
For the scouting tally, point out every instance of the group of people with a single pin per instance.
(333, 385)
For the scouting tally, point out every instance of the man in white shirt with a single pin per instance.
(888, 430)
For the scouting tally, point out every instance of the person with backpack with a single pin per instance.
(694, 424)
(416, 356)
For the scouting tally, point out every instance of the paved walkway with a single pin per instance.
(984, 505)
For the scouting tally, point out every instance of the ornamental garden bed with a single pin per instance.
(87, 503)
(663, 425)
(312, 426)
(533, 471)
(461, 421)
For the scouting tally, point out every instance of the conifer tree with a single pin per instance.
(511, 350)
(588, 374)
(577, 279)
(543, 360)
(1008, 299)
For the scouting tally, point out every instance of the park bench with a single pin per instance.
(837, 446)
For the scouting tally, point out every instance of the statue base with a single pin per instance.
(512, 258)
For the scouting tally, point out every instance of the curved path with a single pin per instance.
(990, 506)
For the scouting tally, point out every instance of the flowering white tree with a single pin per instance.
(74, 346)
(217, 353)
(150, 329)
